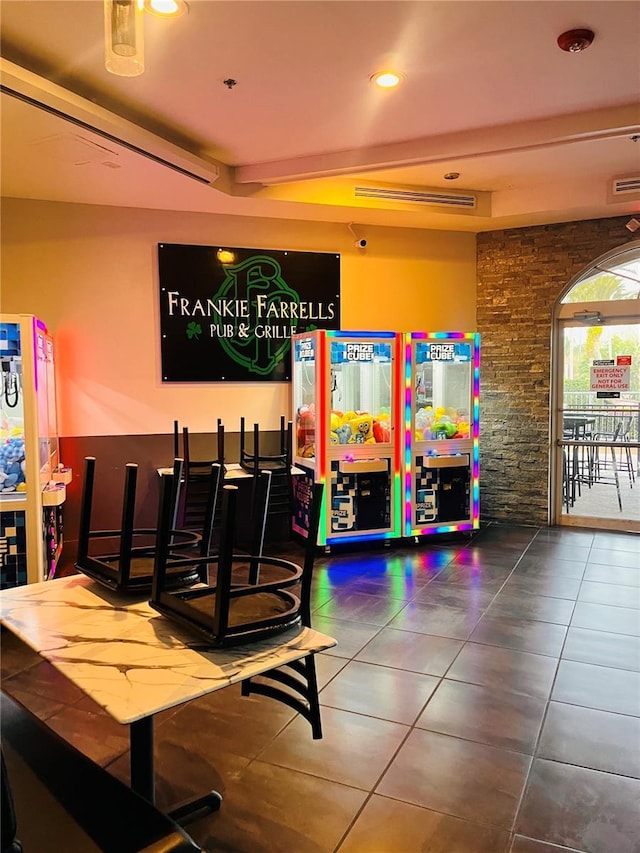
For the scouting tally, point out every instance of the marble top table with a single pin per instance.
(132, 661)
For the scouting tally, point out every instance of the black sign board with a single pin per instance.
(607, 395)
(228, 314)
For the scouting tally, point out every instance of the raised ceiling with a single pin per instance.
(537, 134)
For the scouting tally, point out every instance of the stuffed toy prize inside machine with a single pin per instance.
(345, 428)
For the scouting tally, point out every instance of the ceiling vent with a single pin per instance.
(624, 186)
(430, 197)
(75, 150)
(90, 118)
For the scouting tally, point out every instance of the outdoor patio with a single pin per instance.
(600, 499)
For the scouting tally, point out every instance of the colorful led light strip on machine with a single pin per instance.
(476, 431)
(408, 473)
(398, 491)
(396, 531)
(474, 337)
(322, 417)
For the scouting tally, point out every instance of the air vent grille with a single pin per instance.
(621, 186)
(466, 202)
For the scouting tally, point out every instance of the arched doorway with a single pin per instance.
(595, 423)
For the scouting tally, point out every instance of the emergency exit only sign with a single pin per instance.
(610, 376)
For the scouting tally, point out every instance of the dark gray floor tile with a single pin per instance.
(564, 534)
(79, 725)
(527, 635)
(486, 562)
(226, 721)
(471, 568)
(581, 809)
(327, 666)
(559, 550)
(504, 669)
(553, 587)
(351, 636)
(15, 655)
(183, 773)
(610, 541)
(391, 587)
(423, 563)
(529, 845)
(45, 682)
(498, 546)
(453, 595)
(612, 574)
(389, 826)
(42, 707)
(377, 740)
(379, 691)
(334, 577)
(610, 557)
(616, 595)
(439, 620)
(279, 810)
(498, 532)
(589, 738)
(523, 605)
(410, 651)
(356, 606)
(603, 617)
(541, 566)
(432, 770)
(464, 579)
(599, 687)
(484, 714)
(620, 651)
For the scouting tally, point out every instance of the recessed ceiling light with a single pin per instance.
(452, 176)
(166, 8)
(386, 79)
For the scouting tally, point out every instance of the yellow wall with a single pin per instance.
(91, 274)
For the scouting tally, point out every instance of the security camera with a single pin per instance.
(360, 243)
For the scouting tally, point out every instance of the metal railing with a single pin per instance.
(619, 416)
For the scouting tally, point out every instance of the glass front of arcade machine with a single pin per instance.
(32, 483)
(362, 463)
(442, 428)
(13, 480)
(306, 350)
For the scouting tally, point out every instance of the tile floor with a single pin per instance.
(484, 698)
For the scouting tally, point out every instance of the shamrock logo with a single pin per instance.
(194, 330)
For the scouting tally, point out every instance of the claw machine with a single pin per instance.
(347, 433)
(442, 386)
(32, 478)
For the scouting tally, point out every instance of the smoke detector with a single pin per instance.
(573, 41)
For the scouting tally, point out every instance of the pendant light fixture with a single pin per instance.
(124, 40)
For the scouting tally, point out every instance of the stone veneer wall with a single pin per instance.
(521, 272)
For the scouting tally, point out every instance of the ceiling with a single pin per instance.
(537, 134)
